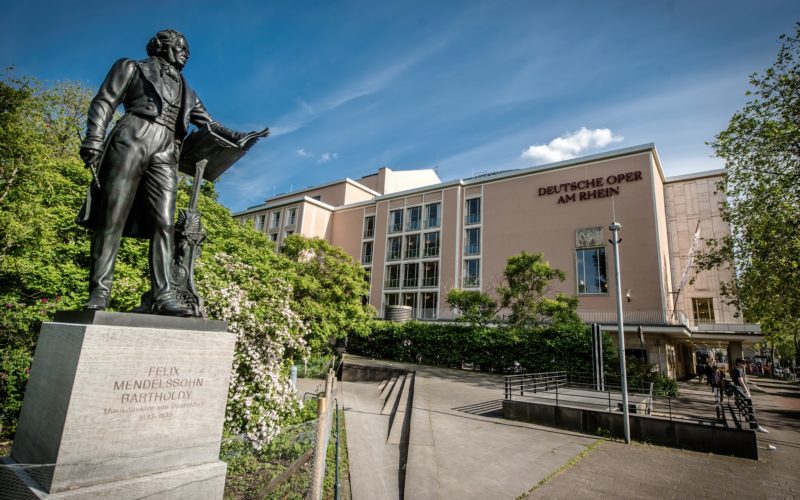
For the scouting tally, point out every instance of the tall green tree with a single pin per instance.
(330, 288)
(474, 308)
(527, 282)
(761, 149)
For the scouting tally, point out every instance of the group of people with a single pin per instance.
(715, 377)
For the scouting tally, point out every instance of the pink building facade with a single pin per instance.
(418, 238)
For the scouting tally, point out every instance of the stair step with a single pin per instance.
(388, 388)
(398, 427)
(390, 405)
(382, 384)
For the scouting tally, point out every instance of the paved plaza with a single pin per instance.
(467, 450)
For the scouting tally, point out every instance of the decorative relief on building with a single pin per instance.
(589, 237)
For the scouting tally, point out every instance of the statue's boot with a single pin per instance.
(98, 301)
(171, 307)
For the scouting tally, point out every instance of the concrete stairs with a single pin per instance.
(394, 394)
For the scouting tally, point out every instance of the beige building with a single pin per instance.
(419, 237)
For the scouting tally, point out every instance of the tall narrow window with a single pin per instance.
(472, 241)
(428, 303)
(703, 310)
(410, 299)
(395, 221)
(431, 244)
(291, 217)
(392, 276)
(276, 220)
(412, 246)
(472, 273)
(391, 299)
(591, 270)
(413, 218)
(411, 275)
(366, 252)
(473, 215)
(430, 273)
(433, 216)
(369, 226)
(394, 248)
(261, 222)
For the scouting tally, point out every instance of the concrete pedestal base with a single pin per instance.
(110, 406)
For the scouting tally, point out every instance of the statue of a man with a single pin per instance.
(137, 164)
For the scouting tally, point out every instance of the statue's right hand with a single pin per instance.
(90, 156)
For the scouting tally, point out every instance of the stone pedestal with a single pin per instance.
(125, 406)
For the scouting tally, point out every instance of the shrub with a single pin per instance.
(15, 366)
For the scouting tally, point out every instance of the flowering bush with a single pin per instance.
(256, 303)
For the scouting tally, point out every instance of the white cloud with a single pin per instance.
(326, 157)
(571, 145)
(305, 154)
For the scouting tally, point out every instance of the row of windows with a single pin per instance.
(413, 275)
(423, 304)
(413, 219)
(416, 245)
(275, 219)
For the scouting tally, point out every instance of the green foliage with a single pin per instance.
(527, 281)
(328, 289)
(474, 308)
(762, 186)
(499, 349)
(15, 366)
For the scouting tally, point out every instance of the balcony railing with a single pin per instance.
(393, 255)
(396, 228)
(472, 249)
(412, 253)
(392, 283)
(366, 259)
(432, 251)
(410, 282)
(472, 281)
(472, 218)
(429, 223)
(430, 281)
(369, 233)
(427, 313)
(413, 225)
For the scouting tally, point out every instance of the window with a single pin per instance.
(261, 222)
(412, 246)
(429, 301)
(472, 242)
(392, 276)
(410, 299)
(591, 270)
(431, 244)
(369, 226)
(395, 221)
(414, 218)
(288, 233)
(703, 310)
(317, 197)
(433, 215)
(473, 211)
(391, 299)
(366, 252)
(273, 236)
(276, 220)
(472, 273)
(291, 217)
(410, 275)
(430, 273)
(394, 247)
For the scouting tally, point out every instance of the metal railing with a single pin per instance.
(396, 228)
(413, 225)
(392, 283)
(656, 317)
(366, 259)
(472, 218)
(427, 313)
(472, 249)
(430, 223)
(472, 281)
(432, 251)
(369, 233)
(393, 255)
(412, 253)
(410, 282)
(430, 281)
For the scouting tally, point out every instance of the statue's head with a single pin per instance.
(171, 46)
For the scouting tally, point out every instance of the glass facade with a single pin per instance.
(591, 271)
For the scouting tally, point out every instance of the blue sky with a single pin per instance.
(466, 87)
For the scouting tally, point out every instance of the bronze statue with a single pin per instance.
(134, 189)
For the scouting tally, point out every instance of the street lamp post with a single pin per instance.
(615, 227)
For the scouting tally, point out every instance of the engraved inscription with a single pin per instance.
(161, 391)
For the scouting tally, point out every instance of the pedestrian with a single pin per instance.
(710, 372)
(739, 377)
(716, 381)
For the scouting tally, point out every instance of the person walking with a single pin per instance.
(739, 376)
